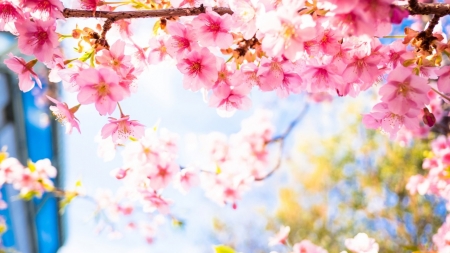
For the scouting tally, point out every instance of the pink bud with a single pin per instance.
(428, 117)
(398, 14)
(121, 173)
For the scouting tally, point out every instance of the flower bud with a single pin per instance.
(428, 117)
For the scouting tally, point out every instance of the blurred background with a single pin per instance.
(336, 179)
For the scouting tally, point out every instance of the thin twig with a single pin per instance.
(441, 94)
(291, 126)
(281, 139)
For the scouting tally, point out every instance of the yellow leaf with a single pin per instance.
(156, 27)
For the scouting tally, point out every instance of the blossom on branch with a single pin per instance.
(100, 86)
(25, 72)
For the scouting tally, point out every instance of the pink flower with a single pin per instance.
(443, 82)
(115, 57)
(322, 76)
(354, 23)
(271, 74)
(285, 31)
(100, 86)
(162, 174)
(292, 83)
(199, 69)
(65, 115)
(70, 74)
(397, 53)
(404, 91)
(90, 4)
(186, 179)
(279, 74)
(38, 38)
(46, 9)
(122, 129)
(362, 243)
(212, 29)
(25, 72)
(328, 42)
(398, 14)
(124, 28)
(390, 122)
(442, 237)
(306, 246)
(9, 13)
(244, 16)
(180, 3)
(229, 99)
(418, 184)
(158, 50)
(181, 41)
(10, 170)
(281, 237)
(363, 68)
(151, 201)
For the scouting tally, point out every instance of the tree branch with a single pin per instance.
(281, 139)
(163, 13)
(416, 8)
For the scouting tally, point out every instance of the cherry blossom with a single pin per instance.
(212, 29)
(122, 129)
(307, 246)
(280, 237)
(38, 38)
(65, 115)
(45, 9)
(362, 243)
(199, 69)
(9, 13)
(181, 41)
(25, 72)
(404, 91)
(99, 86)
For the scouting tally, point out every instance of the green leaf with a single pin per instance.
(86, 56)
(223, 249)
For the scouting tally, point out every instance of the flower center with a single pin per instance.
(102, 89)
(195, 68)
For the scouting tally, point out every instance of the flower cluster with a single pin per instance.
(361, 243)
(31, 180)
(232, 164)
(326, 46)
(436, 182)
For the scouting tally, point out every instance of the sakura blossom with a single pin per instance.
(27, 77)
(212, 29)
(9, 13)
(122, 129)
(362, 243)
(199, 69)
(230, 51)
(281, 237)
(307, 246)
(65, 115)
(38, 38)
(99, 86)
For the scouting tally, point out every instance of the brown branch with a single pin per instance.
(416, 8)
(163, 13)
(433, 22)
